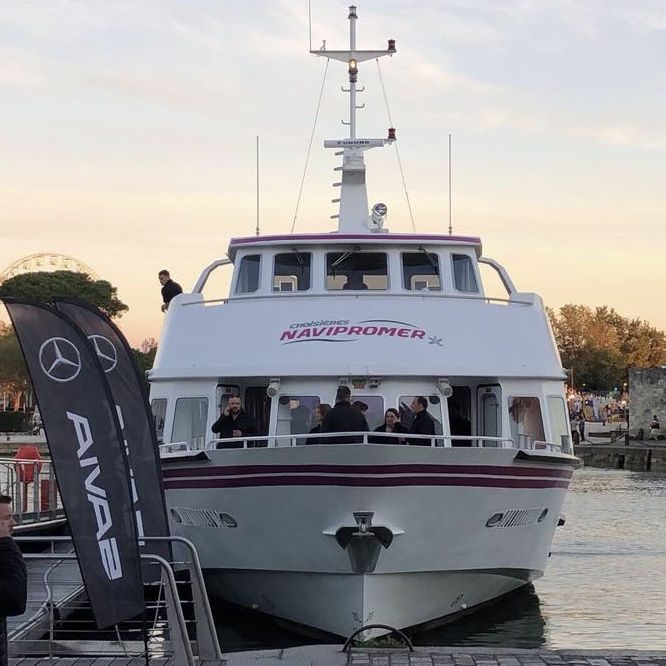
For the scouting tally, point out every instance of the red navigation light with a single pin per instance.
(391, 44)
(391, 133)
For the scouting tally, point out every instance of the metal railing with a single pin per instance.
(32, 485)
(174, 625)
(364, 437)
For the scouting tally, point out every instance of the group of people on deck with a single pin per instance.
(343, 417)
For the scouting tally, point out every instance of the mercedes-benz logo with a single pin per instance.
(106, 352)
(60, 360)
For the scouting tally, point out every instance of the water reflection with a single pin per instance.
(515, 620)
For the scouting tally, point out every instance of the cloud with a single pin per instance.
(20, 70)
(625, 135)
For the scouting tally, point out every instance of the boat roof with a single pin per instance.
(336, 238)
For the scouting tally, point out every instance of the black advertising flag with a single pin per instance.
(135, 416)
(85, 442)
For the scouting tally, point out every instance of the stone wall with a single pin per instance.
(647, 397)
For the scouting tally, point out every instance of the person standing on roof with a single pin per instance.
(169, 288)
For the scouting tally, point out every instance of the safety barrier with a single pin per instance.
(31, 482)
(178, 622)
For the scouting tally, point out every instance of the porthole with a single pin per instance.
(494, 519)
(227, 520)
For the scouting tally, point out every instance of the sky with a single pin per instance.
(128, 135)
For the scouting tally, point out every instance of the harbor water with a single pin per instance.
(604, 588)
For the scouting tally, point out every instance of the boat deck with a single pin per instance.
(325, 655)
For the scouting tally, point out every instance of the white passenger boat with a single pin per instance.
(332, 535)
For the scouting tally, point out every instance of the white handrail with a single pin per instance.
(300, 439)
(353, 294)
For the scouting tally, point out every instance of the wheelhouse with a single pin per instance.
(391, 279)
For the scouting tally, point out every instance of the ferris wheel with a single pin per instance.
(46, 262)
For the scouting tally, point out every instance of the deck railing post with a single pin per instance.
(180, 642)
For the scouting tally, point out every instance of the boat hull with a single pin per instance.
(466, 526)
(340, 604)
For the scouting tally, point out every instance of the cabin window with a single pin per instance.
(291, 272)
(374, 409)
(420, 271)
(464, 278)
(158, 407)
(296, 415)
(559, 422)
(356, 271)
(248, 274)
(434, 409)
(189, 421)
(526, 421)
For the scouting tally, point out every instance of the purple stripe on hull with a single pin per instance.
(371, 482)
(490, 470)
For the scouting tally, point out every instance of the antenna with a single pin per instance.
(450, 221)
(310, 22)
(257, 185)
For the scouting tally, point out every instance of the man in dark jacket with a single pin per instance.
(13, 581)
(423, 423)
(343, 418)
(234, 422)
(169, 288)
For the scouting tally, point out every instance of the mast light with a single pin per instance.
(353, 70)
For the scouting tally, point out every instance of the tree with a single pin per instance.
(43, 287)
(14, 378)
(600, 345)
(145, 356)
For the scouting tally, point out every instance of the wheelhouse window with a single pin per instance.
(464, 278)
(357, 271)
(158, 407)
(559, 422)
(248, 274)
(291, 271)
(189, 421)
(420, 271)
(296, 415)
(526, 421)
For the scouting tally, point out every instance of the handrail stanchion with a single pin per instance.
(207, 641)
(180, 642)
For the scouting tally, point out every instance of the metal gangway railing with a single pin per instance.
(177, 624)
(32, 485)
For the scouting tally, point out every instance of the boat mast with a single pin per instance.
(353, 214)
